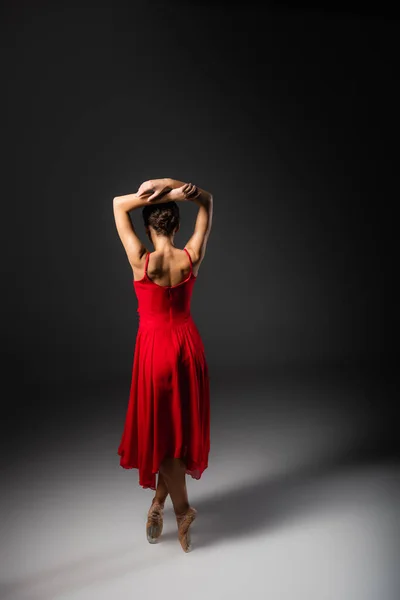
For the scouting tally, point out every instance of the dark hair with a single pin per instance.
(163, 217)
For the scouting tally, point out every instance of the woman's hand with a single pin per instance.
(158, 190)
(185, 192)
(155, 189)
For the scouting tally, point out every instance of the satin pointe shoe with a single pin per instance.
(184, 522)
(154, 525)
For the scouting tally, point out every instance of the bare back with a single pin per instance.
(172, 266)
(168, 268)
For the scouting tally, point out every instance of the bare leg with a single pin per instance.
(154, 525)
(162, 489)
(174, 473)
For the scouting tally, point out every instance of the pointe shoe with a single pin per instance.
(184, 522)
(154, 525)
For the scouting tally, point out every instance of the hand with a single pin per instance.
(155, 189)
(185, 192)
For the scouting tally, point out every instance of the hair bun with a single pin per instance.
(163, 218)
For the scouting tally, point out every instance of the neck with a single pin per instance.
(162, 243)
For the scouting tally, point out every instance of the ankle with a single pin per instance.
(182, 511)
(156, 500)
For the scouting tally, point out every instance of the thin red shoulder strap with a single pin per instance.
(146, 263)
(191, 264)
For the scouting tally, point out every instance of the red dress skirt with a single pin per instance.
(168, 412)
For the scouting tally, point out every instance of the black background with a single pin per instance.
(287, 113)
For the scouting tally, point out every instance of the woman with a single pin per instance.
(167, 425)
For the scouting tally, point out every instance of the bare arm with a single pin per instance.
(198, 242)
(133, 245)
(163, 190)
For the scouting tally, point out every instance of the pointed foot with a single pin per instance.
(155, 521)
(184, 521)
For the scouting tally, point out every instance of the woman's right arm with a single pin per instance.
(198, 241)
(203, 198)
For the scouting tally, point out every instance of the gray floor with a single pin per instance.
(291, 507)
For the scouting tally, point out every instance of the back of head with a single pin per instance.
(164, 217)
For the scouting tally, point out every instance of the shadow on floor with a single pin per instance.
(253, 509)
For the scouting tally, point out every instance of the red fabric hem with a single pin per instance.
(194, 471)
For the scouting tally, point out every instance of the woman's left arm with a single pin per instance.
(130, 201)
(156, 189)
(134, 247)
(153, 191)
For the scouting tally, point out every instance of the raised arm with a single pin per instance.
(134, 247)
(198, 242)
(160, 190)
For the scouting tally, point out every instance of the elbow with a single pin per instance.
(205, 196)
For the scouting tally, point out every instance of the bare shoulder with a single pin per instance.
(193, 254)
(196, 259)
(138, 263)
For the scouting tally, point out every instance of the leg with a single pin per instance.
(174, 471)
(174, 474)
(154, 525)
(162, 490)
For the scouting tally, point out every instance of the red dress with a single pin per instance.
(168, 410)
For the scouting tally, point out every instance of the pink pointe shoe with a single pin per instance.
(154, 525)
(184, 522)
